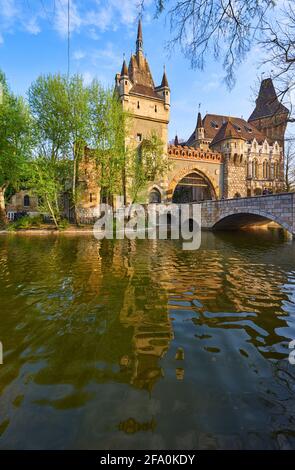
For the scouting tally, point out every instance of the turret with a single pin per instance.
(124, 81)
(199, 133)
(164, 90)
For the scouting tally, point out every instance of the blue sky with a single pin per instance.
(33, 41)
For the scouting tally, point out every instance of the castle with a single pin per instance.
(224, 157)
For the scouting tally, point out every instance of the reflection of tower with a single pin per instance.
(152, 328)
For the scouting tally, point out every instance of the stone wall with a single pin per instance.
(279, 208)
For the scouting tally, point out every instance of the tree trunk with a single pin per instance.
(3, 217)
(51, 212)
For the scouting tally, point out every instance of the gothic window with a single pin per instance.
(254, 169)
(26, 201)
(155, 196)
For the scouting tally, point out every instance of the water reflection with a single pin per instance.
(135, 344)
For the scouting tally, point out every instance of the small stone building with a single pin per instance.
(22, 202)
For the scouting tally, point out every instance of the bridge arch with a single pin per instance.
(234, 220)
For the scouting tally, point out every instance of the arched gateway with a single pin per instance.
(192, 186)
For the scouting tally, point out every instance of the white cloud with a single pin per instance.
(61, 17)
(92, 17)
(32, 26)
(78, 55)
(87, 78)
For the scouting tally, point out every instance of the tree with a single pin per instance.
(290, 165)
(15, 140)
(61, 111)
(146, 164)
(279, 46)
(225, 28)
(109, 123)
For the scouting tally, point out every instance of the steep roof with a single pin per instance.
(124, 70)
(227, 131)
(139, 71)
(267, 103)
(164, 82)
(212, 124)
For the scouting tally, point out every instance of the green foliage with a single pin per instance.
(16, 138)
(61, 111)
(109, 122)
(26, 222)
(146, 164)
(63, 224)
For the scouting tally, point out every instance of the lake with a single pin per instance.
(137, 344)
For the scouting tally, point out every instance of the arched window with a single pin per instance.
(276, 169)
(26, 201)
(254, 169)
(155, 196)
(265, 169)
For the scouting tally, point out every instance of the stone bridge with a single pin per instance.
(230, 214)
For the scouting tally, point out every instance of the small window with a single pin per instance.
(138, 105)
(214, 124)
(125, 82)
(139, 137)
(90, 197)
(156, 108)
(26, 201)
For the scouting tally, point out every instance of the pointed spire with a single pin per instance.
(164, 82)
(124, 70)
(139, 41)
(176, 140)
(199, 121)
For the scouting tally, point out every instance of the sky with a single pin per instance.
(33, 41)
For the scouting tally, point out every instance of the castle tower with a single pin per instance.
(230, 142)
(149, 105)
(270, 115)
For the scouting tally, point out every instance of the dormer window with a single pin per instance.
(214, 124)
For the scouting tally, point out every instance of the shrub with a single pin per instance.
(25, 222)
(63, 224)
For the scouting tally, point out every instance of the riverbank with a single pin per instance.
(72, 229)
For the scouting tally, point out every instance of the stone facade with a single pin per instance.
(22, 201)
